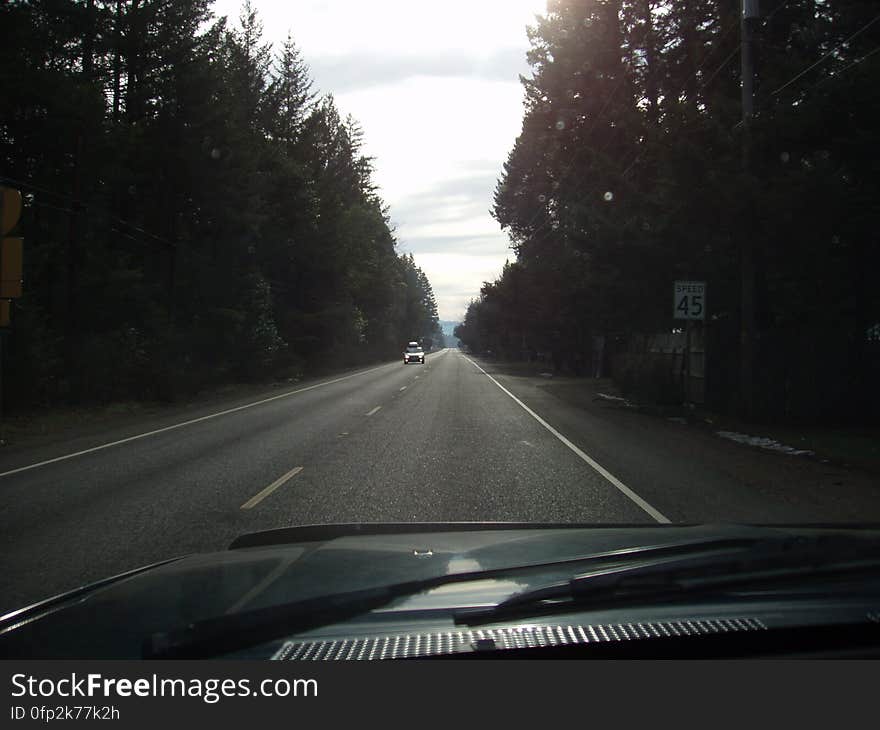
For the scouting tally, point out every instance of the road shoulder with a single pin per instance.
(40, 436)
(688, 471)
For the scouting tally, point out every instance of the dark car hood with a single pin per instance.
(112, 618)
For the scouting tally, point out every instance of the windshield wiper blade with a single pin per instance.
(232, 632)
(671, 578)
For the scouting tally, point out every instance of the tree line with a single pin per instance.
(629, 174)
(194, 211)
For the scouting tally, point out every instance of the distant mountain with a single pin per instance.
(448, 327)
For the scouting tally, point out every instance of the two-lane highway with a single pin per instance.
(434, 442)
(392, 443)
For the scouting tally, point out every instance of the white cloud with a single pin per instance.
(423, 129)
(462, 228)
(457, 278)
(435, 87)
(339, 27)
(363, 70)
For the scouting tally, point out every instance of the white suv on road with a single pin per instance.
(414, 353)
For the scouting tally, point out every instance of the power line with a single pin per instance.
(715, 47)
(699, 68)
(837, 74)
(736, 50)
(36, 188)
(40, 204)
(598, 116)
(825, 57)
(83, 208)
(69, 211)
(834, 75)
(721, 66)
(770, 15)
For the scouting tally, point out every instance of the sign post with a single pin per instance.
(689, 300)
(688, 303)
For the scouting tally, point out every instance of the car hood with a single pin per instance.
(112, 617)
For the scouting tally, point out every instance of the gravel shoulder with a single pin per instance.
(679, 464)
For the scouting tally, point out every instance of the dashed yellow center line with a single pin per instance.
(261, 495)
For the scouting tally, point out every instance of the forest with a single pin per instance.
(195, 212)
(637, 167)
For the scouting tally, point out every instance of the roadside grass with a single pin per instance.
(44, 426)
(20, 428)
(39, 427)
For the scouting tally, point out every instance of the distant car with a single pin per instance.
(414, 353)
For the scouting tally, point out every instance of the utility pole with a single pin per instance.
(748, 331)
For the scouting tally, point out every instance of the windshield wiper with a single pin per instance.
(773, 563)
(228, 633)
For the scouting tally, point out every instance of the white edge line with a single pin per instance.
(263, 493)
(185, 423)
(656, 514)
(374, 410)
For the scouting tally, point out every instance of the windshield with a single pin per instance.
(638, 239)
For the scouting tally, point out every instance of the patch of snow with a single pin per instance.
(763, 442)
(614, 399)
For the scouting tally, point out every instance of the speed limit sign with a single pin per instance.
(689, 300)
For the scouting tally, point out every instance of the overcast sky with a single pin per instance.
(435, 87)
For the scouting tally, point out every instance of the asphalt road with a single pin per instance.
(451, 440)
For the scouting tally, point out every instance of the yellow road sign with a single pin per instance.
(11, 257)
(11, 207)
